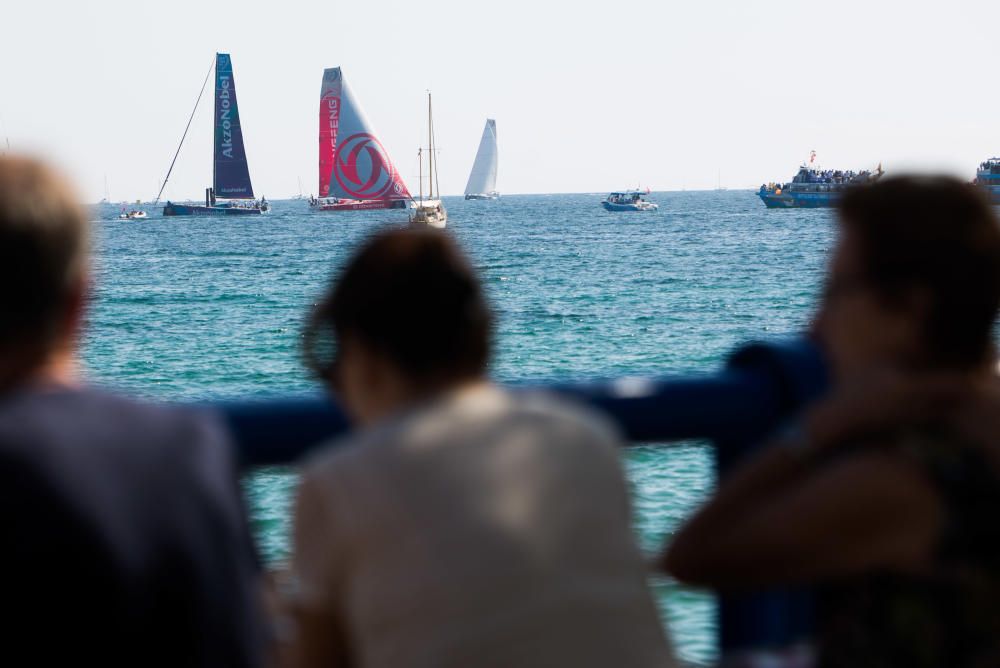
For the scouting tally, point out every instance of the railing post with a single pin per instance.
(797, 373)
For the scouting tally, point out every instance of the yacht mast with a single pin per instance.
(437, 181)
(430, 145)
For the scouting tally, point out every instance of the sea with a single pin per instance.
(194, 309)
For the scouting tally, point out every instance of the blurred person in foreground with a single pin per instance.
(124, 541)
(886, 494)
(462, 525)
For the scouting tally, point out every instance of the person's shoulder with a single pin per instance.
(350, 455)
(91, 402)
(337, 455)
(155, 421)
(564, 414)
(100, 422)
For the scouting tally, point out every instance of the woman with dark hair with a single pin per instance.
(462, 525)
(885, 496)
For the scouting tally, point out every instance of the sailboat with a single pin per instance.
(231, 193)
(429, 211)
(107, 193)
(355, 171)
(483, 179)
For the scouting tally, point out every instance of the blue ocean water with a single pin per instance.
(209, 308)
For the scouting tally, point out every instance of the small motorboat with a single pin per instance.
(135, 214)
(629, 200)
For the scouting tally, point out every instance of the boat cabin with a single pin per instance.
(633, 197)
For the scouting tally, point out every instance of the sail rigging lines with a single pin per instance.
(186, 128)
(433, 147)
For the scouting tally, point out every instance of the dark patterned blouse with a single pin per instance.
(947, 616)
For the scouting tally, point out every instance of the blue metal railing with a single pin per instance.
(762, 386)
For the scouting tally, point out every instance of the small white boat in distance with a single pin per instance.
(629, 200)
(134, 214)
(429, 211)
(483, 179)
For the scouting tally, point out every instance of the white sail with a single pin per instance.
(483, 179)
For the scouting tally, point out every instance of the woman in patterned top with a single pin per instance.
(885, 496)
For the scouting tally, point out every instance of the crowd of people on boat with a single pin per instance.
(261, 204)
(837, 176)
(464, 524)
(991, 166)
(626, 198)
(825, 177)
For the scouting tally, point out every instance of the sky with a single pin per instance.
(588, 96)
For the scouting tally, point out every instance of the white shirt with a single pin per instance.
(483, 529)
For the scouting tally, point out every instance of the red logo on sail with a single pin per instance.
(363, 169)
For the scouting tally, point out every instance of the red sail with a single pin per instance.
(329, 123)
(353, 163)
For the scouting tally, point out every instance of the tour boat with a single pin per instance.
(231, 193)
(483, 179)
(355, 171)
(988, 178)
(429, 211)
(813, 187)
(629, 200)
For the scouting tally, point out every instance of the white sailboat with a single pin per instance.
(429, 211)
(483, 179)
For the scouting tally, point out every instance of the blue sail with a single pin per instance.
(231, 174)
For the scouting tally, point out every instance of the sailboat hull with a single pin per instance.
(629, 206)
(481, 196)
(360, 205)
(198, 210)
